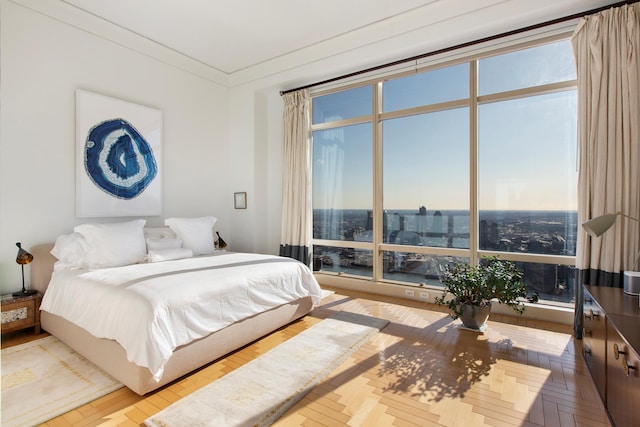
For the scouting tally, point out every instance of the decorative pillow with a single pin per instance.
(70, 250)
(159, 243)
(195, 233)
(169, 254)
(163, 232)
(114, 245)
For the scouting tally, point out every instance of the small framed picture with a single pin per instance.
(240, 200)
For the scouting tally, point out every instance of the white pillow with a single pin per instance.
(195, 233)
(160, 243)
(70, 250)
(163, 232)
(169, 254)
(114, 245)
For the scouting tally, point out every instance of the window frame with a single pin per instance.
(377, 117)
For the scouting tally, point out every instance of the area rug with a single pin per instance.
(44, 378)
(259, 392)
(325, 293)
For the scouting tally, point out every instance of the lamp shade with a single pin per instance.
(599, 224)
(23, 257)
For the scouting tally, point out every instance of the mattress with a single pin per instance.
(151, 309)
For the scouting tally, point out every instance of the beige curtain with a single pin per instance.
(295, 241)
(606, 47)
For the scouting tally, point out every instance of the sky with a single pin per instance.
(526, 146)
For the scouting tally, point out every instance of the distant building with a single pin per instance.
(437, 226)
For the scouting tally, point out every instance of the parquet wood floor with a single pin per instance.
(421, 370)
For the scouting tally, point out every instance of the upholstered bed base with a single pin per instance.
(111, 357)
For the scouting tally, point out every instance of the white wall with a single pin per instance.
(255, 152)
(43, 61)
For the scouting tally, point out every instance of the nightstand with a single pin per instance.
(21, 312)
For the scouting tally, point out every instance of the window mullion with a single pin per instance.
(473, 163)
(377, 183)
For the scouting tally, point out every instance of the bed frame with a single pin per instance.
(111, 357)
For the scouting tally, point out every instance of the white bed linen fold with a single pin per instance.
(150, 309)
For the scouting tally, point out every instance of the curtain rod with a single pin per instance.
(463, 45)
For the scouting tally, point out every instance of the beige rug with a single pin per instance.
(325, 293)
(259, 392)
(44, 378)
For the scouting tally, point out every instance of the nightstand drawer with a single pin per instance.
(20, 313)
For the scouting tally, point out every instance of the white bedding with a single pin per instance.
(150, 309)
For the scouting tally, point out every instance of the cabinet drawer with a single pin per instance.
(623, 381)
(594, 343)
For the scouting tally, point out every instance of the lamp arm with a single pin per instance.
(627, 216)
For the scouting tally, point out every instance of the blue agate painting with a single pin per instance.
(118, 159)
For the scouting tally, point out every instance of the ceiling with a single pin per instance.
(231, 36)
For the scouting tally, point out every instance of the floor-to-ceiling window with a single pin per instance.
(451, 163)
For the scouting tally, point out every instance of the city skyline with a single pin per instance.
(532, 232)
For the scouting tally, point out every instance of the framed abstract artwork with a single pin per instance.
(118, 157)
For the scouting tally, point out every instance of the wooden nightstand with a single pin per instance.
(21, 312)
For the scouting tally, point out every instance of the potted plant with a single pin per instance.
(473, 287)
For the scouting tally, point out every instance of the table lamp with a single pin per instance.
(221, 243)
(596, 227)
(23, 258)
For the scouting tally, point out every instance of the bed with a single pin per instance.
(79, 310)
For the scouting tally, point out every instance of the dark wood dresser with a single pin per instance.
(611, 349)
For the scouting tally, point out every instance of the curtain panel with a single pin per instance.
(606, 47)
(296, 227)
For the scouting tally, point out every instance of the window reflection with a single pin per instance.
(536, 66)
(358, 262)
(422, 269)
(431, 87)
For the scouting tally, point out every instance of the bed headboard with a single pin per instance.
(41, 266)
(43, 261)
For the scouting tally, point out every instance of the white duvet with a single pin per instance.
(150, 309)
